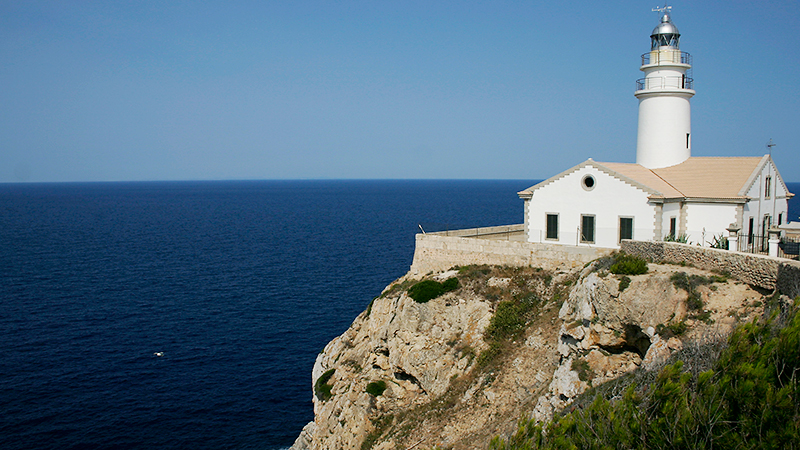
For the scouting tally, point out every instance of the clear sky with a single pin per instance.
(189, 90)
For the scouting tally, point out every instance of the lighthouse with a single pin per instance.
(668, 194)
(665, 130)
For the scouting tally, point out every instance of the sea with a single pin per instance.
(238, 285)
(175, 315)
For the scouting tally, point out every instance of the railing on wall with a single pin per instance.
(789, 247)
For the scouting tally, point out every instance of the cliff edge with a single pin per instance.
(505, 343)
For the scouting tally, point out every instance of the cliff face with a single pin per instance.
(452, 380)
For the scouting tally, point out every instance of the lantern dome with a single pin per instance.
(666, 34)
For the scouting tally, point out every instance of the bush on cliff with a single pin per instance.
(376, 388)
(628, 265)
(321, 387)
(427, 290)
(750, 399)
(508, 322)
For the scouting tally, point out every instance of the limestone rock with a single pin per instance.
(303, 441)
(426, 354)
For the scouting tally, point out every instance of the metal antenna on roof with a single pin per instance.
(770, 144)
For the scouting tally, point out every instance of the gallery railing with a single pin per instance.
(667, 57)
(654, 83)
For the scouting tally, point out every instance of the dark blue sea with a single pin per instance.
(240, 284)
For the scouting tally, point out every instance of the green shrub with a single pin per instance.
(689, 283)
(451, 284)
(369, 307)
(427, 290)
(682, 238)
(624, 282)
(508, 320)
(694, 302)
(748, 400)
(321, 387)
(475, 272)
(673, 329)
(486, 356)
(376, 388)
(628, 265)
(719, 241)
(585, 372)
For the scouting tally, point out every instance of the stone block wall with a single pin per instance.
(789, 279)
(435, 253)
(757, 270)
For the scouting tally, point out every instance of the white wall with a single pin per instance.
(607, 201)
(761, 205)
(669, 211)
(706, 220)
(664, 121)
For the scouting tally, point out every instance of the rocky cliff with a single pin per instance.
(507, 343)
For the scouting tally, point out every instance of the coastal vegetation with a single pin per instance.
(509, 321)
(746, 395)
(694, 300)
(427, 290)
(624, 282)
(321, 387)
(518, 300)
(590, 379)
(628, 265)
(681, 238)
(519, 295)
(376, 388)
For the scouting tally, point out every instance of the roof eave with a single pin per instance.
(741, 200)
(656, 199)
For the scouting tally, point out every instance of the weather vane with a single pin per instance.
(664, 8)
(770, 144)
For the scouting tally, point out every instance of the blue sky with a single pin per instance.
(146, 90)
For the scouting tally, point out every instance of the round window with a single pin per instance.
(588, 182)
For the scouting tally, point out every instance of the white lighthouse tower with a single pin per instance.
(664, 137)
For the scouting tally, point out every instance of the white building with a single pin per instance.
(667, 193)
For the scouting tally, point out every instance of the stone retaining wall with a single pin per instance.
(758, 270)
(435, 253)
(789, 279)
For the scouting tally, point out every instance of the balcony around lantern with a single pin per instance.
(670, 56)
(664, 83)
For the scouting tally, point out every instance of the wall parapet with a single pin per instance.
(758, 270)
(436, 253)
(508, 232)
